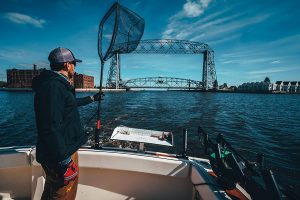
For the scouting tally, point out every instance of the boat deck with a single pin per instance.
(109, 174)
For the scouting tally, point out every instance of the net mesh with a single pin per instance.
(120, 31)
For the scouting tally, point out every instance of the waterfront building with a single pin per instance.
(21, 78)
(286, 86)
(298, 88)
(82, 81)
(294, 86)
(279, 85)
(263, 86)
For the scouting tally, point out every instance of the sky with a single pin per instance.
(251, 39)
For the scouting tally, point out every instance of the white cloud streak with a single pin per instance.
(213, 29)
(265, 53)
(218, 27)
(191, 9)
(272, 70)
(275, 62)
(19, 18)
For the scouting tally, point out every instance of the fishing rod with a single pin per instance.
(98, 122)
(223, 158)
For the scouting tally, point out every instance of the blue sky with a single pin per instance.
(252, 39)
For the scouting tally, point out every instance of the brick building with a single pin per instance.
(82, 81)
(21, 78)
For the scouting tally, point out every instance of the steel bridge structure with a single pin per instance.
(166, 46)
(164, 82)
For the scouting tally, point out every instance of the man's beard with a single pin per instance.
(70, 75)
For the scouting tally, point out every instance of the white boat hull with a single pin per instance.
(108, 174)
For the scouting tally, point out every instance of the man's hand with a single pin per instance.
(97, 97)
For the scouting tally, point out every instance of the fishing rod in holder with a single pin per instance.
(184, 143)
(231, 168)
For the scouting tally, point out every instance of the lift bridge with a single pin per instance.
(167, 46)
(163, 82)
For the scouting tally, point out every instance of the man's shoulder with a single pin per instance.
(57, 81)
(54, 83)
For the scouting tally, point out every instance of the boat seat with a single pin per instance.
(15, 167)
(134, 162)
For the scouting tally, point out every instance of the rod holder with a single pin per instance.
(184, 144)
(205, 139)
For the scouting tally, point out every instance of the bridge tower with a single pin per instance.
(209, 77)
(114, 73)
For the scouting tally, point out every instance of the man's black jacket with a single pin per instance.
(60, 133)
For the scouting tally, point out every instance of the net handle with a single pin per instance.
(100, 53)
(103, 59)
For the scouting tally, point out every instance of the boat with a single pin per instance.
(123, 173)
(116, 173)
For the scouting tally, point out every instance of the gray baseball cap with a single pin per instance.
(62, 55)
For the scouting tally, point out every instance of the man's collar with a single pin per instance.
(65, 77)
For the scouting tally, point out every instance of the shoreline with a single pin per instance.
(77, 90)
(95, 90)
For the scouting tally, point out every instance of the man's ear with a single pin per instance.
(66, 66)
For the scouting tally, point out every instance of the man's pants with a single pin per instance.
(54, 187)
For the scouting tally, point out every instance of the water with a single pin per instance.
(265, 123)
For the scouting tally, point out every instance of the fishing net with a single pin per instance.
(120, 32)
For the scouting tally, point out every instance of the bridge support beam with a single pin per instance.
(209, 76)
(204, 71)
(114, 73)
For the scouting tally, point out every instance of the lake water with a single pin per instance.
(265, 123)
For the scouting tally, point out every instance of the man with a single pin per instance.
(60, 133)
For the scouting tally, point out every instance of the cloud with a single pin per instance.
(213, 27)
(194, 8)
(191, 9)
(272, 70)
(275, 62)
(265, 53)
(19, 18)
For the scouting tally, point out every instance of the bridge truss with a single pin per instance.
(163, 82)
(169, 46)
